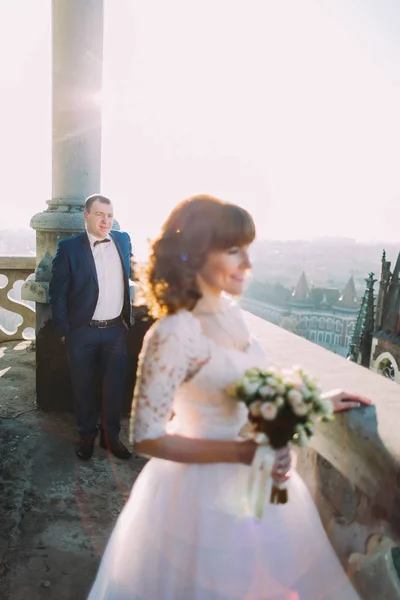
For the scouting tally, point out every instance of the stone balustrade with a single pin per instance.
(16, 315)
(352, 467)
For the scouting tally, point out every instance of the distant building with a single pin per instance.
(322, 315)
(376, 340)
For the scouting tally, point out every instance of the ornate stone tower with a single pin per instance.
(385, 354)
(361, 341)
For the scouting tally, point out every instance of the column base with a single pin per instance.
(53, 381)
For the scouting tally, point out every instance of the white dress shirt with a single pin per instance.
(110, 277)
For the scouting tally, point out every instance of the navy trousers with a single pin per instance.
(98, 363)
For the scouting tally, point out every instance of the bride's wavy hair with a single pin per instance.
(197, 226)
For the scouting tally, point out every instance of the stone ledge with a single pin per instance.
(26, 263)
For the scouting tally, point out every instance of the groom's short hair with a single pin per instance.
(90, 199)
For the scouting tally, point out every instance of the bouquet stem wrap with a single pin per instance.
(279, 494)
(261, 471)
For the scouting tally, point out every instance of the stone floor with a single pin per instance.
(56, 513)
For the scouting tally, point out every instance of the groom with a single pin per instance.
(91, 308)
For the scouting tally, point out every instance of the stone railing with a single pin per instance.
(16, 315)
(352, 468)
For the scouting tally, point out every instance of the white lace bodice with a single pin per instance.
(184, 373)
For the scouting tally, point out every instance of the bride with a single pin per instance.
(186, 532)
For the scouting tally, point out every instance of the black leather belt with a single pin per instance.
(103, 324)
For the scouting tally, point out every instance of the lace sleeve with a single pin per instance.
(171, 354)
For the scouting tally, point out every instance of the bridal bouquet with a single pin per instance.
(284, 406)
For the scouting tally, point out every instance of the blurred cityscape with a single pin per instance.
(313, 288)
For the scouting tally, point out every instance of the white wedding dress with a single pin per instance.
(186, 532)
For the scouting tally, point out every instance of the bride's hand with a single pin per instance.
(284, 459)
(247, 450)
(344, 401)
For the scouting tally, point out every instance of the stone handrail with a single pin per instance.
(352, 467)
(16, 269)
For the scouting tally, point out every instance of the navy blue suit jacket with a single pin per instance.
(74, 289)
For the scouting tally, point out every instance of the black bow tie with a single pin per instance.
(101, 242)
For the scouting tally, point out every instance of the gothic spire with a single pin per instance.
(361, 340)
(383, 286)
(302, 291)
(369, 323)
(349, 296)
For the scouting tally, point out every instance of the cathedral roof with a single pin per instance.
(273, 293)
(305, 296)
(302, 291)
(349, 297)
(322, 297)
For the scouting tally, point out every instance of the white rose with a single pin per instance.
(279, 401)
(269, 411)
(250, 387)
(295, 397)
(300, 409)
(266, 390)
(272, 381)
(254, 408)
(294, 377)
(253, 373)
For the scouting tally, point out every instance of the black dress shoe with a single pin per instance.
(115, 447)
(84, 448)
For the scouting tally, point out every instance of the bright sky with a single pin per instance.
(291, 109)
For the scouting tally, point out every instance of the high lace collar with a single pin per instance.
(212, 304)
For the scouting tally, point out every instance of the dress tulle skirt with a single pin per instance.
(186, 534)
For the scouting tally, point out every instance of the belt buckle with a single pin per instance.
(103, 325)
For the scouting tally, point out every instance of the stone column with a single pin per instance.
(77, 64)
